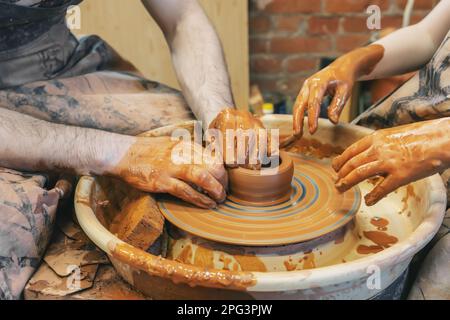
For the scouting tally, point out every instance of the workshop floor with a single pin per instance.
(73, 268)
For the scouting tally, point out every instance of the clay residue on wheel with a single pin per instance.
(203, 256)
(250, 263)
(380, 238)
(181, 273)
(305, 263)
(410, 194)
(186, 255)
(381, 241)
(363, 249)
(380, 223)
(314, 148)
(309, 261)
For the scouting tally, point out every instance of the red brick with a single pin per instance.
(417, 18)
(276, 30)
(259, 24)
(323, 25)
(349, 42)
(354, 24)
(418, 4)
(259, 46)
(291, 85)
(299, 45)
(293, 6)
(265, 65)
(266, 85)
(391, 22)
(349, 6)
(301, 64)
(288, 23)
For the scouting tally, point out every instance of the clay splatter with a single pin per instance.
(289, 265)
(250, 263)
(380, 223)
(309, 261)
(314, 148)
(362, 249)
(226, 262)
(380, 238)
(203, 258)
(186, 255)
(410, 193)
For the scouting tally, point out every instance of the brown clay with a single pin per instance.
(290, 265)
(380, 223)
(312, 147)
(363, 249)
(250, 263)
(380, 238)
(140, 222)
(179, 272)
(309, 261)
(410, 193)
(254, 187)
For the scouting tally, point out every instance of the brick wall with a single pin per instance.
(288, 37)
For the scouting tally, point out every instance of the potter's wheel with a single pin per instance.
(314, 209)
(339, 270)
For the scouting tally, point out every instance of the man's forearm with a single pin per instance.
(197, 56)
(200, 66)
(35, 145)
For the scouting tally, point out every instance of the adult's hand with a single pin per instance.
(240, 121)
(149, 165)
(401, 155)
(337, 81)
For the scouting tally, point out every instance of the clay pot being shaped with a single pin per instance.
(264, 187)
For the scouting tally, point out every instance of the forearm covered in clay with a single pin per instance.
(197, 56)
(409, 48)
(35, 145)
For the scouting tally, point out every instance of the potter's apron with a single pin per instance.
(55, 53)
(35, 45)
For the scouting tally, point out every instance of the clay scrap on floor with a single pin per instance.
(75, 269)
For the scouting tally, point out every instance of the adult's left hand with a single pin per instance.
(401, 155)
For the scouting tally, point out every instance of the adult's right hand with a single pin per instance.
(337, 81)
(240, 121)
(149, 165)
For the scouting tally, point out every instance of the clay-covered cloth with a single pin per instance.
(426, 96)
(27, 213)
